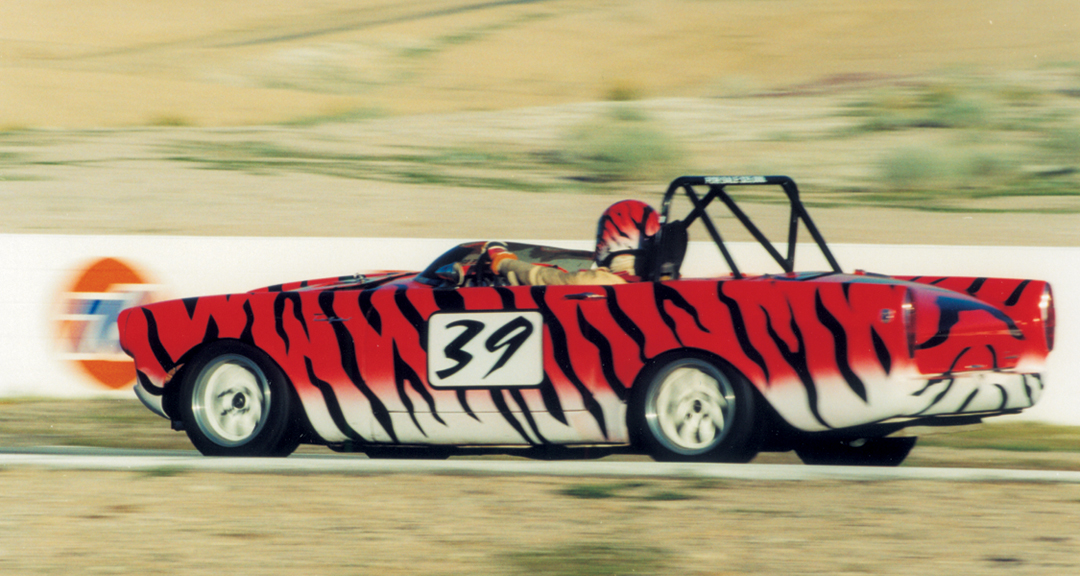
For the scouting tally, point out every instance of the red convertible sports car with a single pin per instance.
(454, 359)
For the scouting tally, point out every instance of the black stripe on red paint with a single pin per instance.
(798, 361)
(559, 350)
(738, 327)
(840, 346)
(347, 350)
(332, 404)
(607, 357)
(1015, 296)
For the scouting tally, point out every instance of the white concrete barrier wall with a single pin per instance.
(48, 330)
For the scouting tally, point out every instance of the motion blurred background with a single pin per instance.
(436, 118)
(904, 121)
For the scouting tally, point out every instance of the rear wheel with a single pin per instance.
(689, 409)
(856, 452)
(234, 401)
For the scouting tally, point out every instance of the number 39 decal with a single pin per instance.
(485, 350)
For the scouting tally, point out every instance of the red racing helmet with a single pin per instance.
(624, 228)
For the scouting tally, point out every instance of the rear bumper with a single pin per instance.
(978, 392)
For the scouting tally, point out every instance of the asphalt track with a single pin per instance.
(176, 461)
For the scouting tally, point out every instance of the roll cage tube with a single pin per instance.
(717, 190)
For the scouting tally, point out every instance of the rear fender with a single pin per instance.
(981, 324)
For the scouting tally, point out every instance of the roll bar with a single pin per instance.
(717, 191)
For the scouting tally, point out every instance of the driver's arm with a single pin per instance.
(506, 264)
(518, 272)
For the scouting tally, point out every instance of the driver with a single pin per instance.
(621, 234)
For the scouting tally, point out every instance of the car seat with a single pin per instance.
(666, 251)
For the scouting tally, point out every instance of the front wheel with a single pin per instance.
(689, 409)
(234, 401)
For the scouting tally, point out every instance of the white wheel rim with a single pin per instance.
(231, 400)
(691, 408)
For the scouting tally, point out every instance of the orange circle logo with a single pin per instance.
(88, 336)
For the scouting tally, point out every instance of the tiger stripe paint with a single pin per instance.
(827, 351)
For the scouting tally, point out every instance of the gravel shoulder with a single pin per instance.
(202, 523)
(167, 521)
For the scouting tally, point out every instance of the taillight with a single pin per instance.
(1049, 317)
(908, 313)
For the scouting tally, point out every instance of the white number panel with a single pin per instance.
(485, 349)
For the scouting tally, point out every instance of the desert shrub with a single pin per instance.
(911, 169)
(931, 105)
(622, 91)
(951, 107)
(170, 121)
(1063, 141)
(941, 170)
(619, 144)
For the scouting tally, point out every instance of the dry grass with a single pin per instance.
(444, 118)
(125, 62)
(194, 524)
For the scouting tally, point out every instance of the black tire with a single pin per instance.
(689, 409)
(235, 401)
(856, 452)
(289, 442)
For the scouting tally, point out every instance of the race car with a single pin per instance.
(456, 360)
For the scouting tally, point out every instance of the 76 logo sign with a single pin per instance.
(485, 350)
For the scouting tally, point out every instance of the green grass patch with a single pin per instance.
(336, 117)
(102, 422)
(163, 472)
(589, 559)
(1063, 140)
(600, 491)
(1011, 436)
(470, 35)
(947, 170)
(632, 490)
(464, 167)
(953, 103)
(11, 158)
(961, 138)
(667, 496)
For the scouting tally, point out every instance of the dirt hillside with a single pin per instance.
(99, 63)
(442, 119)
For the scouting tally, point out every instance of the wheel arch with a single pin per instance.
(170, 401)
(170, 397)
(762, 412)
